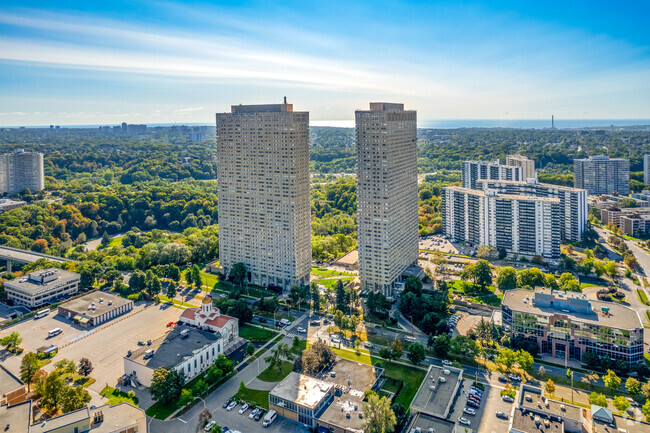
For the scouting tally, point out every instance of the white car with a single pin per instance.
(464, 421)
(469, 411)
(209, 425)
(447, 362)
(231, 406)
(301, 330)
(253, 413)
(244, 408)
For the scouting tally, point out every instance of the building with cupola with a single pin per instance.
(209, 318)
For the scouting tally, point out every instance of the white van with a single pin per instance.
(285, 322)
(42, 313)
(54, 332)
(269, 418)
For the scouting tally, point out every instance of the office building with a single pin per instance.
(95, 308)
(602, 175)
(185, 349)
(387, 194)
(535, 412)
(573, 202)
(20, 170)
(566, 325)
(120, 418)
(527, 165)
(42, 287)
(518, 224)
(646, 169)
(433, 402)
(263, 189)
(473, 171)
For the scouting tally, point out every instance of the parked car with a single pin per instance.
(209, 425)
(508, 399)
(244, 408)
(171, 324)
(141, 343)
(513, 377)
(259, 414)
(464, 421)
(503, 379)
(253, 413)
(473, 404)
(469, 411)
(447, 362)
(231, 406)
(226, 403)
(262, 320)
(502, 415)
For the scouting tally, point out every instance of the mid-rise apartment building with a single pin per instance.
(474, 171)
(646, 169)
(527, 165)
(20, 170)
(566, 325)
(633, 221)
(263, 189)
(573, 202)
(519, 224)
(387, 194)
(602, 175)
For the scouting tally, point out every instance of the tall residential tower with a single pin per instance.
(20, 170)
(387, 194)
(263, 188)
(602, 175)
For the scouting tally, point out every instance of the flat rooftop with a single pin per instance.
(31, 284)
(171, 349)
(530, 422)
(115, 417)
(16, 417)
(426, 422)
(528, 183)
(618, 316)
(435, 401)
(103, 302)
(302, 389)
(498, 195)
(8, 382)
(351, 374)
(531, 398)
(621, 425)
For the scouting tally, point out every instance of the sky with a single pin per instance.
(87, 62)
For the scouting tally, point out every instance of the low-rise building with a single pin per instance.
(210, 318)
(533, 410)
(12, 390)
(433, 401)
(121, 418)
(567, 325)
(95, 308)
(42, 287)
(185, 349)
(7, 204)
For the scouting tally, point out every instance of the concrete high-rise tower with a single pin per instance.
(263, 189)
(20, 170)
(387, 194)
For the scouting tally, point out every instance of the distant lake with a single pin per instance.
(505, 123)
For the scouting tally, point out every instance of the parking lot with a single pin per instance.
(234, 421)
(485, 419)
(437, 243)
(123, 333)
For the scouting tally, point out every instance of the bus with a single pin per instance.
(41, 313)
(54, 332)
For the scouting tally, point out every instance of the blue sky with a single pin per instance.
(81, 62)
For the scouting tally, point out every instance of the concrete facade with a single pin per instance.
(42, 287)
(210, 318)
(95, 308)
(474, 171)
(263, 189)
(20, 170)
(387, 194)
(527, 165)
(602, 175)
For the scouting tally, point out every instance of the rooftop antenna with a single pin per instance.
(285, 100)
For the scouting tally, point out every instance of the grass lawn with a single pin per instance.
(116, 397)
(175, 303)
(253, 333)
(642, 296)
(274, 374)
(253, 396)
(328, 273)
(330, 282)
(411, 376)
(298, 349)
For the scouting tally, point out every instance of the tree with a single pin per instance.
(611, 380)
(74, 398)
(397, 349)
(106, 239)
(250, 349)
(590, 379)
(29, 365)
(524, 359)
(174, 273)
(294, 296)
(340, 295)
(611, 269)
(86, 278)
(483, 273)
(645, 390)
(541, 371)
(138, 281)
(196, 276)
(166, 385)
(551, 282)
(238, 273)
(416, 353)
(633, 386)
(11, 341)
(379, 417)
(278, 354)
(441, 345)
(186, 397)
(598, 399)
(550, 387)
(189, 277)
(385, 353)
(645, 409)
(532, 277)
(621, 404)
(154, 287)
(413, 285)
(85, 367)
(53, 390)
(171, 290)
(507, 278)
(569, 283)
(200, 388)
(65, 366)
(315, 297)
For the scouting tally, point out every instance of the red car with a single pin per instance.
(170, 324)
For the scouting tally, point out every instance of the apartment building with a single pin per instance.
(387, 194)
(263, 189)
(633, 221)
(20, 170)
(573, 202)
(473, 171)
(527, 165)
(646, 169)
(602, 175)
(566, 325)
(519, 224)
